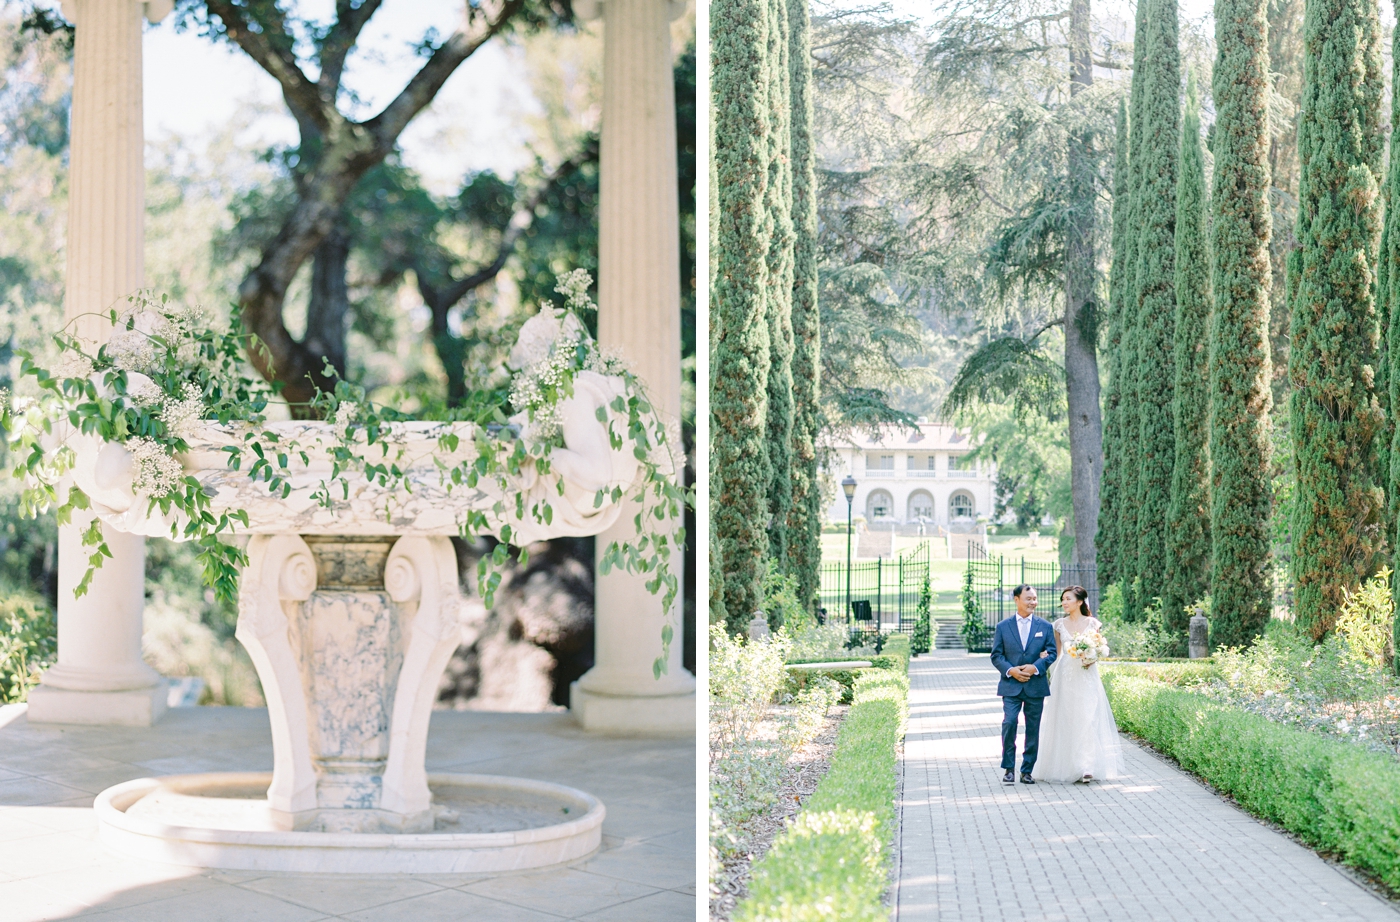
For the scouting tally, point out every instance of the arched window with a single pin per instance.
(962, 507)
(880, 505)
(920, 506)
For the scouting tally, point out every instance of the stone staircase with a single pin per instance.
(875, 542)
(948, 637)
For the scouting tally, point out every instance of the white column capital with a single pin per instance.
(153, 10)
(589, 10)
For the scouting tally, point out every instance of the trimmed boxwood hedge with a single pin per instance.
(895, 657)
(832, 862)
(1334, 795)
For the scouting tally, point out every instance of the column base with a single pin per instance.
(667, 715)
(136, 707)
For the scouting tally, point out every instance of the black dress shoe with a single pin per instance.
(1026, 778)
(1009, 777)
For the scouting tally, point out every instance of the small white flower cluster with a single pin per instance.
(606, 362)
(345, 414)
(157, 473)
(574, 287)
(143, 392)
(72, 364)
(182, 417)
(530, 386)
(131, 350)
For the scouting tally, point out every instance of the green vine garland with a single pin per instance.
(166, 371)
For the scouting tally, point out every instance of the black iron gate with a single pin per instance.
(988, 585)
(884, 592)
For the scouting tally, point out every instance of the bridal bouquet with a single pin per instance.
(1088, 648)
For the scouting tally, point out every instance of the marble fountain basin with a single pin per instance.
(483, 823)
(350, 613)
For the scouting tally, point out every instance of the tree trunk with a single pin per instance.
(330, 301)
(1081, 321)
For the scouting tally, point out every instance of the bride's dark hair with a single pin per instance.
(1081, 595)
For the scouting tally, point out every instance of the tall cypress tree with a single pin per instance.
(739, 317)
(1110, 487)
(1188, 516)
(1159, 130)
(779, 300)
(1388, 291)
(804, 521)
(1128, 403)
(1334, 411)
(1240, 581)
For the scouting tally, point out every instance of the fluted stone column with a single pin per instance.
(100, 677)
(638, 317)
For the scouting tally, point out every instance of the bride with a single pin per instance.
(1079, 739)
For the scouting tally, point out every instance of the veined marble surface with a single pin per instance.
(425, 503)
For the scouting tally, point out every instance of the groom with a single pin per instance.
(1022, 651)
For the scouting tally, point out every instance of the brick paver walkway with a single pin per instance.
(1154, 845)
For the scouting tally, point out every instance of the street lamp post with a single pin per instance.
(848, 486)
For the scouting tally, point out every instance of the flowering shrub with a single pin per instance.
(165, 372)
(28, 644)
(752, 736)
(1331, 688)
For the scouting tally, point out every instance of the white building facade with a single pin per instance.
(915, 477)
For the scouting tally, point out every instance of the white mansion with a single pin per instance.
(914, 478)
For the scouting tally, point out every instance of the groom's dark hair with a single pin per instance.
(1016, 593)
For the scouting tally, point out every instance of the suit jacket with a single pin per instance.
(1007, 652)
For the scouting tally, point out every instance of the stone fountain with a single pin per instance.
(350, 611)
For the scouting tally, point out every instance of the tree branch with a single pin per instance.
(263, 37)
(390, 123)
(350, 20)
(440, 300)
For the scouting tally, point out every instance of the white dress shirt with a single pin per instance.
(1023, 626)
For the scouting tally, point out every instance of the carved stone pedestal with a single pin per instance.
(350, 636)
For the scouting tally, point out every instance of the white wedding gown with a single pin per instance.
(1078, 735)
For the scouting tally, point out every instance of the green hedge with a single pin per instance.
(1187, 672)
(1334, 795)
(832, 862)
(895, 658)
(894, 654)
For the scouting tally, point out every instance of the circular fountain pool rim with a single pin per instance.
(350, 853)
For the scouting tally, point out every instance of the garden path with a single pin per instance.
(1154, 845)
(52, 865)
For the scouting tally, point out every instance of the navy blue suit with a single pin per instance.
(1030, 695)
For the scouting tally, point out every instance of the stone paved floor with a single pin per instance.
(52, 865)
(1154, 845)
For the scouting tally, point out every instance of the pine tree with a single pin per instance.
(1159, 130)
(779, 300)
(1110, 487)
(1188, 517)
(1334, 411)
(804, 521)
(739, 317)
(1240, 580)
(1128, 404)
